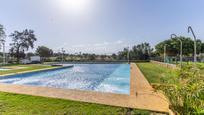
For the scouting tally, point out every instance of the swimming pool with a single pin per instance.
(114, 78)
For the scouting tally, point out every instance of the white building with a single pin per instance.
(32, 60)
(25, 61)
(35, 59)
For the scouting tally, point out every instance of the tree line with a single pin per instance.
(24, 40)
(173, 46)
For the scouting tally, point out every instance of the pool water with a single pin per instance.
(114, 78)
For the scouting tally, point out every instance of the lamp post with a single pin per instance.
(165, 53)
(195, 54)
(181, 47)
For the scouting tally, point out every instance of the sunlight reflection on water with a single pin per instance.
(113, 78)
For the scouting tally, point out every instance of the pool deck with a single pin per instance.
(142, 95)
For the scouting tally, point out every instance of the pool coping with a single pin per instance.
(142, 95)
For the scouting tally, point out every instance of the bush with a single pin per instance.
(186, 94)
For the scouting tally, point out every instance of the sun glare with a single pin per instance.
(75, 6)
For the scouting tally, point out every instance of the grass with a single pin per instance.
(184, 87)
(23, 68)
(155, 73)
(15, 104)
(197, 63)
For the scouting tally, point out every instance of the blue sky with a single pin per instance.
(102, 26)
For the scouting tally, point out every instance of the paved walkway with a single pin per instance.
(141, 95)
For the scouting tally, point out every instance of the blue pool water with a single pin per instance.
(114, 78)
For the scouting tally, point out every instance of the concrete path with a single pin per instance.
(141, 95)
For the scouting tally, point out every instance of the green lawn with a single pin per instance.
(158, 74)
(14, 104)
(155, 73)
(22, 68)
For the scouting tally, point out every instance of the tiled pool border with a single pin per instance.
(142, 95)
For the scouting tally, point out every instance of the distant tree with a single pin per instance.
(199, 46)
(44, 51)
(202, 48)
(2, 35)
(21, 54)
(103, 57)
(122, 55)
(141, 52)
(85, 56)
(21, 42)
(114, 56)
(173, 46)
(29, 54)
(91, 57)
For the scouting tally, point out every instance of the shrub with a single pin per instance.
(186, 94)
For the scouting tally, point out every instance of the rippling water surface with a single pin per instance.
(113, 78)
